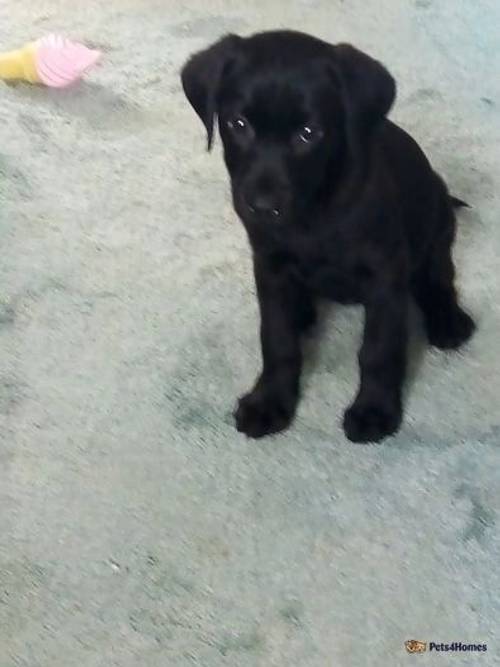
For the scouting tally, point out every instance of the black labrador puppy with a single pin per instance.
(337, 202)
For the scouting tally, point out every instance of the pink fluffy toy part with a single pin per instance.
(59, 61)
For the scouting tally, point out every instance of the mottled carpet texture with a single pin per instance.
(136, 526)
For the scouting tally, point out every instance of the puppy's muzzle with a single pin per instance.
(265, 200)
(264, 206)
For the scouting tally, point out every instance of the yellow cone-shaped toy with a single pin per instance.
(19, 65)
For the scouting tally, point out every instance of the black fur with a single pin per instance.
(337, 202)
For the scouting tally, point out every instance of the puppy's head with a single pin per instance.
(294, 113)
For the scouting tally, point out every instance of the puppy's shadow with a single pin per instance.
(317, 336)
(417, 347)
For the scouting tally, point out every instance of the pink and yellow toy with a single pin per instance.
(53, 61)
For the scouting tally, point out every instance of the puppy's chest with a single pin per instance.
(330, 274)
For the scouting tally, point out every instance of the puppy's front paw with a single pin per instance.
(260, 413)
(449, 329)
(369, 422)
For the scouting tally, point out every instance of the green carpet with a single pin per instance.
(136, 526)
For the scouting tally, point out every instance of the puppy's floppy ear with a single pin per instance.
(201, 77)
(368, 90)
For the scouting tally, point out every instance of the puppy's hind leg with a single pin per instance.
(448, 326)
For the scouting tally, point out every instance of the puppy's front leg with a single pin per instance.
(270, 406)
(376, 412)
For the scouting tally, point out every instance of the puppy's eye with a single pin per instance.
(241, 131)
(308, 135)
(238, 124)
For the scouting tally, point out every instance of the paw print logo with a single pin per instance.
(414, 646)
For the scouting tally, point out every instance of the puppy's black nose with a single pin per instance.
(264, 205)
